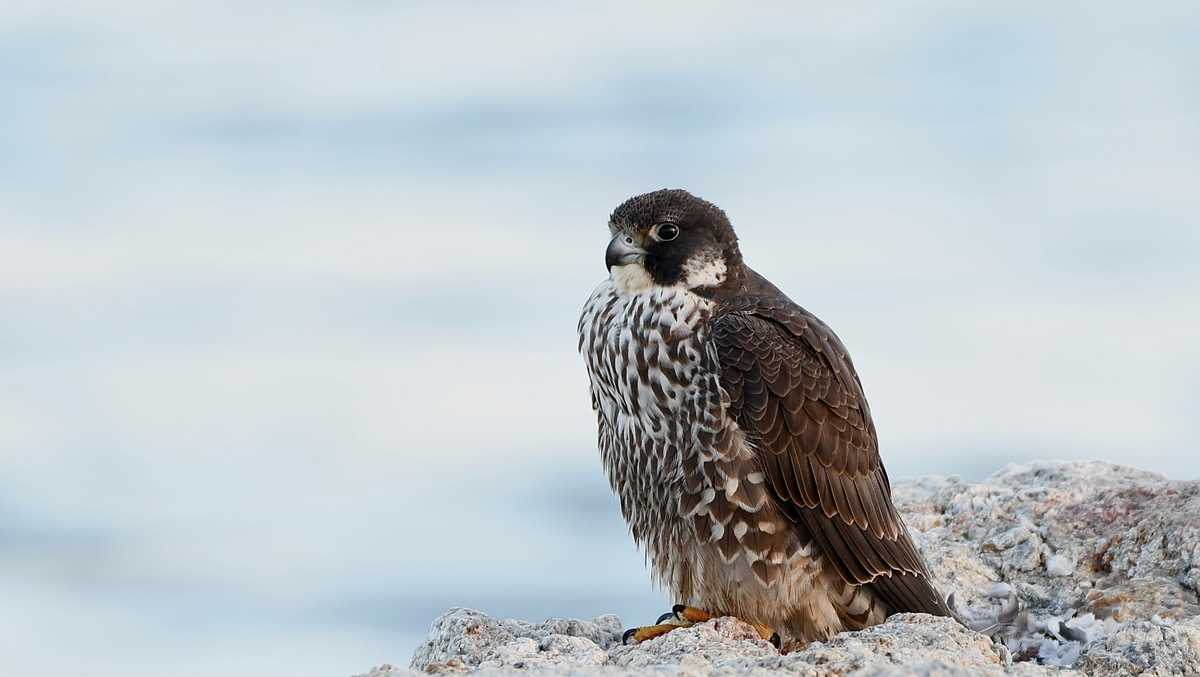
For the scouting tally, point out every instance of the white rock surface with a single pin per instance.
(465, 638)
(1104, 559)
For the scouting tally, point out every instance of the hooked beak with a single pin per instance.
(621, 250)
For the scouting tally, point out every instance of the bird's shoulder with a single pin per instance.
(751, 296)
(758, 332)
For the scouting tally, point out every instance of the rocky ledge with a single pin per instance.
(1103, 560)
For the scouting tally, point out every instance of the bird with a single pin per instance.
(736, 434)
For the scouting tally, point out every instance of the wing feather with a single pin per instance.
(794, 393)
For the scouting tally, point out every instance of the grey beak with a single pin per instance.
(622, 250)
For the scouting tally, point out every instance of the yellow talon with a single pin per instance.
(650, 632)
(692, 614)
(688, 616)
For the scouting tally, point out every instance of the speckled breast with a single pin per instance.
(690, 486)
(656, 395)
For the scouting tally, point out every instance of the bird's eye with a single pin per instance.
(666, 232)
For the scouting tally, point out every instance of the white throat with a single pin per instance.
(630, 278)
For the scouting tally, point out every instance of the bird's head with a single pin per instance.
(670, 238)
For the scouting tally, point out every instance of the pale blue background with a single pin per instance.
(288, 290)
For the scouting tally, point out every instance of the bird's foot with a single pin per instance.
(672, 620)
(648, 632)
(695, 615)
(683, 616)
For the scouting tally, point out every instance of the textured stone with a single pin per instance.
(1104, 560)
(1147, 648)
(466, 638)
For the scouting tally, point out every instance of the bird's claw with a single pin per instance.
(649, 632)
(683, 616)
(680, 616)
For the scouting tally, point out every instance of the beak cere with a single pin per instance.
(622, 250)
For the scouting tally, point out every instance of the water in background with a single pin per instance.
(289, 292)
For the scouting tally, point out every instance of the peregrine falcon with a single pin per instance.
(734, 429)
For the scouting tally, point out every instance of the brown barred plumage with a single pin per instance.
(736, 434)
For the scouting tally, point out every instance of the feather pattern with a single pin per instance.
(795, 395)
(736, 435)
(694, 492)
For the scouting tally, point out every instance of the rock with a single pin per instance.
(467, 638)
(1147, 648)
(1104, 561)
(904, 641)
(1088, 547)
(907, 644)
(1057, 565)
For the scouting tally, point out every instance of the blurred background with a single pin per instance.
(288, 290)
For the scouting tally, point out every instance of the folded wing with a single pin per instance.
(794, 393)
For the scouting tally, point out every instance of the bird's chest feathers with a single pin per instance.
(653, 383)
